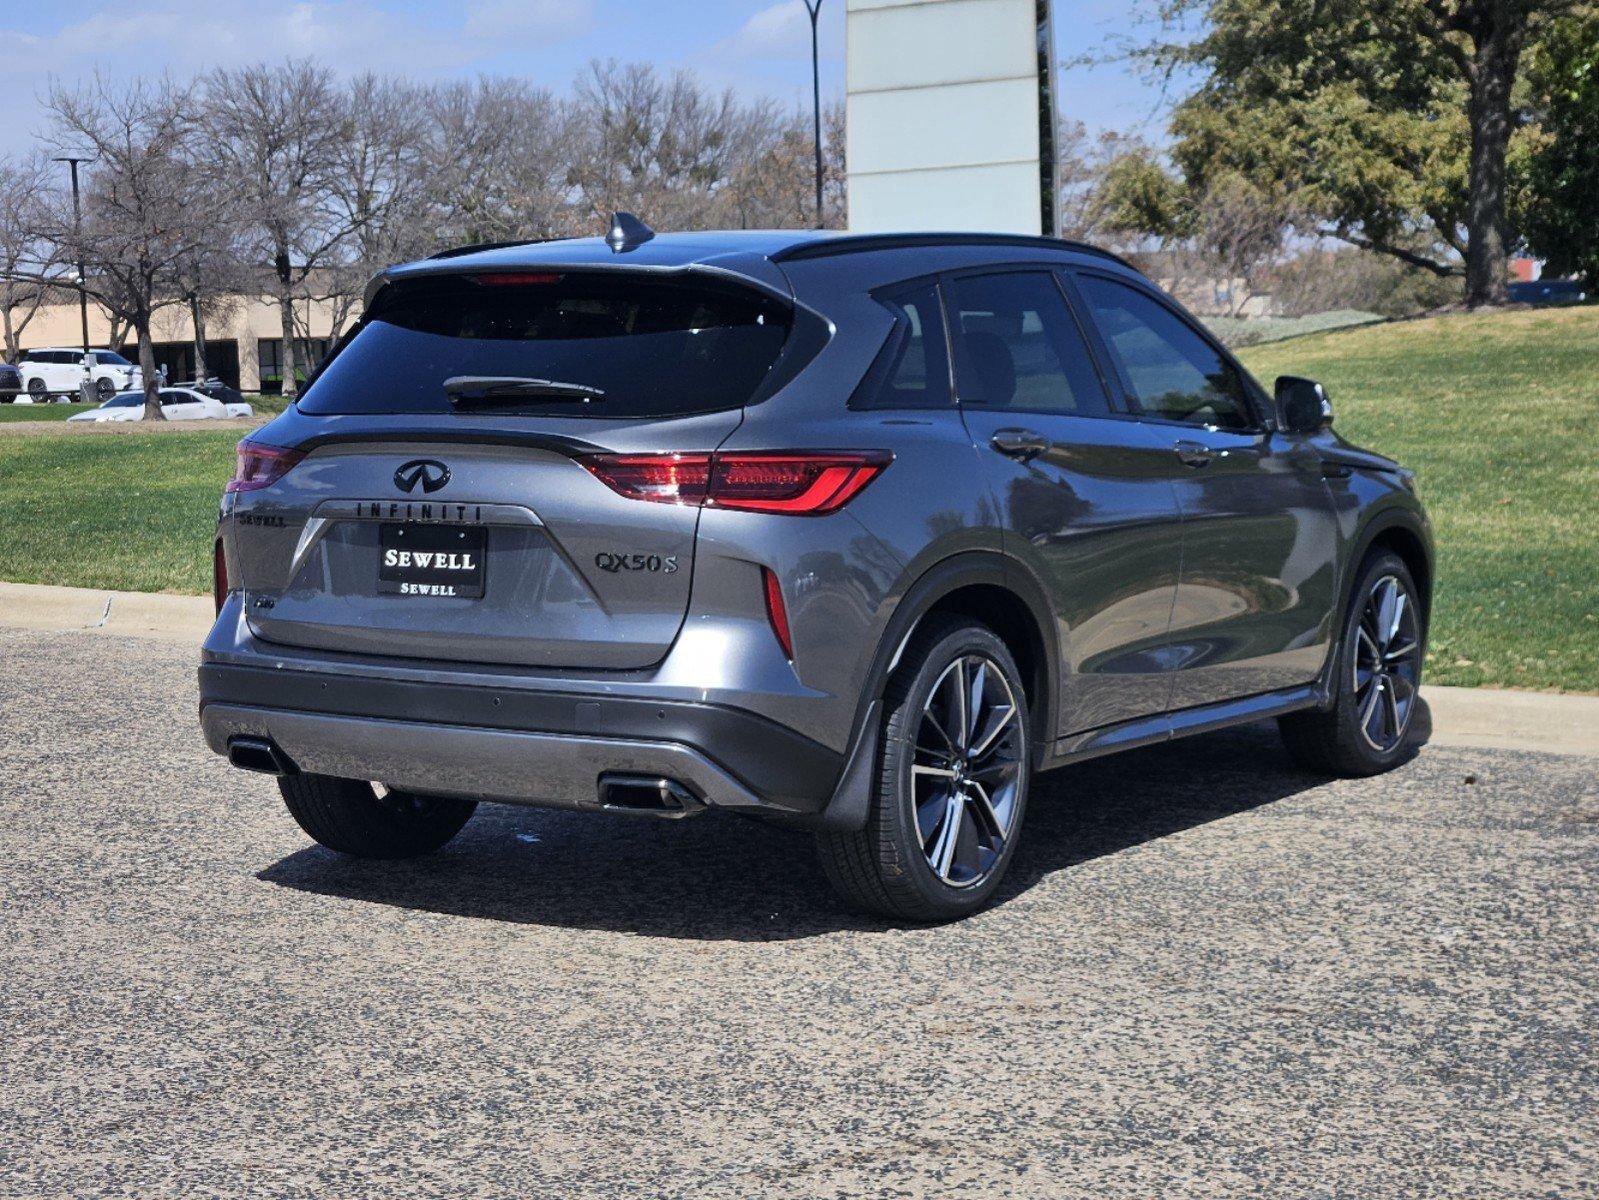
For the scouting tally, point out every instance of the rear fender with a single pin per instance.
(851, 800)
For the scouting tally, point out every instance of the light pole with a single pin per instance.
(77, 236)
(814, 8)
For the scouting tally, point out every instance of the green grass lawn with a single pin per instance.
(41, 412)
(263, 405)
(1499, 415)
(129, 511)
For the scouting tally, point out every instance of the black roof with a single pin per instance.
(779, 245)
(737, 250)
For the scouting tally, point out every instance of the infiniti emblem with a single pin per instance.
(429, 472)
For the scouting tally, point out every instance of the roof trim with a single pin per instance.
(864, 243)
(458, 251)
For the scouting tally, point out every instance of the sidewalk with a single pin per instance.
(1481, 717)
(90, 610)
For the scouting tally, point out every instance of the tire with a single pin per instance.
(1370, 727)
(349, 816)
(104, 388)
(38, 391)
(888, 868)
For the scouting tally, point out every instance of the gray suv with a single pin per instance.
(854, 533)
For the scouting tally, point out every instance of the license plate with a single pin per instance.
(431, 560)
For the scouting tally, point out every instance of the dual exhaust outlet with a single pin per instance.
(638, 795)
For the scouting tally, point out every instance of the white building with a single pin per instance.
(950, 115)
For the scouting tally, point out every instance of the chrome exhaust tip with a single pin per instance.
(260, 754)
(648, 796)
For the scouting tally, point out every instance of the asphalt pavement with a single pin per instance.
(1210, 974)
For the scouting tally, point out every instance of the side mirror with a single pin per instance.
(1302, 405)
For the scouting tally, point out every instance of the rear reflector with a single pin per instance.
(219, 576)
(777, 612)
(804, 483)
(261, 466)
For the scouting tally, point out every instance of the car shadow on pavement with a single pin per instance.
(721, 878)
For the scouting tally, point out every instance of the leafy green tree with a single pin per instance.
(1561, 187)
(1379, 119)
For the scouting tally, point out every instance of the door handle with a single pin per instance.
(1019, 443)
(1193, 454)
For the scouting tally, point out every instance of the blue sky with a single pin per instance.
(756, 47)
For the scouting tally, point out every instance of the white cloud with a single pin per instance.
(544, 18)
(782, 30)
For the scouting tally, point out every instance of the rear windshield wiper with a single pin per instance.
(469, 391)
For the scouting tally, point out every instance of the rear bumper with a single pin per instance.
(519, 747)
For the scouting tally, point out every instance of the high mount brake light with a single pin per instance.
(261, 466)
(517, 278)
(802, 482)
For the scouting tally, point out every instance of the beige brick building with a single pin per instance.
(243, 340)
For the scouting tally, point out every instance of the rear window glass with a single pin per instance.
(652, 347)
(913, 369)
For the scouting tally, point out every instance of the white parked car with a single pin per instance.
(58, 371)
(177, 404)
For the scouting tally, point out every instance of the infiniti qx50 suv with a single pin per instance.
(855, 533)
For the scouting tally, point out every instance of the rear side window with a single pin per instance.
(1176, 375)
(1019, 347)
(653, 347)
(913, 369)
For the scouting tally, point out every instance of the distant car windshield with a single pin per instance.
(654, 347)
(112, 358)
(125, 400)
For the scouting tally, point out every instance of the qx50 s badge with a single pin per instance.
(617, 563)
(429, 472)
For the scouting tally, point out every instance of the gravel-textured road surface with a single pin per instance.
(1211, 975)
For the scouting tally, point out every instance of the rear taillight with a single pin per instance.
(261, 466)
(804, 482)
(666, 478)
(219, 576)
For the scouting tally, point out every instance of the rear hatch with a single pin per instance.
(443, 508)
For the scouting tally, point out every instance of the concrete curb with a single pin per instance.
(1504, 720)
(90, 610)
(1471, 717)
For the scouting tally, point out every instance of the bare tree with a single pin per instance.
(661, 147)
(211, 277)
(27, 259)
(835, 177)
(495, 159)
(1240, 237)
(1088, 203)
(147, 207)
(276, 133)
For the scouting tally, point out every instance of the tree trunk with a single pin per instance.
(152, 386)
(1498, 30)
(199, 339)
(12, 349)
(286, 358)
(286, 320)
